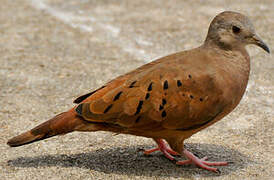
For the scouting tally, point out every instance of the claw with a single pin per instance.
(204, 158)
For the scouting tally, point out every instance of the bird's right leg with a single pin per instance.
(164, 148)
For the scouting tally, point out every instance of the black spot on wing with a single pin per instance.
(161, 107)
(83, 97)
(163, 114)
(108, 108)
(79, 109)
(138, 119)
(147, 96)
(179, 83)
(163, 102)
(117, 96)
(139, 107)
(165, 85)
(150, 87)
(132, 84)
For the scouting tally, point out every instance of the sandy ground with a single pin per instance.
(52, 51)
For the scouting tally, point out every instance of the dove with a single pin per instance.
(169, 99)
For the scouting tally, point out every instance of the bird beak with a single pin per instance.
(259, 42)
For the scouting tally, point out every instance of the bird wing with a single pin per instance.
(164, 94)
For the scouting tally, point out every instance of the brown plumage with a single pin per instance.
(171, 98)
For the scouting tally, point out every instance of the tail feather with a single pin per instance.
(61, 124)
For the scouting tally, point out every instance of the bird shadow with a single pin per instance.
(131, 161)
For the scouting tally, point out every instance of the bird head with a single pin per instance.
(230, 30)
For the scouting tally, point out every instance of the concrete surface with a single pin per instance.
(51, 51)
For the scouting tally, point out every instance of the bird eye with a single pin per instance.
(236, 29)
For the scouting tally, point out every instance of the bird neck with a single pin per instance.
(235, 58)
(213, 43)
(217, 42)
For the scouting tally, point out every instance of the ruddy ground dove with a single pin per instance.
(170, 98)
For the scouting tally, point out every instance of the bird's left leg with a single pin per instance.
(164, 148)
(192, 159)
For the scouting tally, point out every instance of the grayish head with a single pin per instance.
(231, 30)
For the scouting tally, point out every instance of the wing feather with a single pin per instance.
(156, 95)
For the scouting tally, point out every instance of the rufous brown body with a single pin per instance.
(168, 99)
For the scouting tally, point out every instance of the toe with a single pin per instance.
(147, 152)
(215, 163)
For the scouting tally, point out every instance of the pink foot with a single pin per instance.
(192, 159)
(163, 147)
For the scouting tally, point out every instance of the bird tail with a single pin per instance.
(61, 124)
